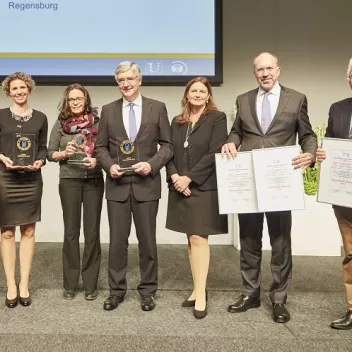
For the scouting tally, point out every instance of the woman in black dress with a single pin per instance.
(80, 186)
(197, 134)
(23, 131)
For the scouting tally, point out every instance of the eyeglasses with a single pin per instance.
(260, 71)
(129, 80)
(74, 100)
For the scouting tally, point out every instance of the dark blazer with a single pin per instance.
(290, 120)
(339, 119)
(155, 129)
(339, 125)
(206, 138)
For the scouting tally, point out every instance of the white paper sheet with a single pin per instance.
(335, 179)
(279, 186)
(236, 184)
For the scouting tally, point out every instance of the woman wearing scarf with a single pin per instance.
(81, 183)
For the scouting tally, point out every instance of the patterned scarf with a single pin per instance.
(86, 127)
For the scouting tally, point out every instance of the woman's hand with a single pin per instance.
(187, 192)
(175, 177)
(35, 167)
(182, 183)
(90, 163)
(70, 149)
(6, 161)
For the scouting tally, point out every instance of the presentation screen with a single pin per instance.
(63, 41)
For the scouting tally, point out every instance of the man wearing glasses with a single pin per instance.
(340, 126)
(130, 130)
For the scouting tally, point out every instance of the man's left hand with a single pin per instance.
(302, 161)
(143, 168)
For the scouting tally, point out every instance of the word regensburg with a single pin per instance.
(32, 6)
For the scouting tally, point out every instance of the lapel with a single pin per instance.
(346, 123)
(200, 121)
(284, 98)
(146, 110)
(119, 119)
(253, 105)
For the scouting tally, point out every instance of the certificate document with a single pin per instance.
(279, 185)
(335, 179)
(236, 186)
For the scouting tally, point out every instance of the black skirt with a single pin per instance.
(20, 197)
(195, 215)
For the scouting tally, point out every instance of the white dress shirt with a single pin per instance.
(273, 97)
(137, 107)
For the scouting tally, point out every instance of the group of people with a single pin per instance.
(136, 130)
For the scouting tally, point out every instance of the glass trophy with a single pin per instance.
(84, 148)
(23, 149)
(127, 154)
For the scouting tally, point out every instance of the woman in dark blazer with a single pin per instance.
(80, 186)
(197, 134)
(21, 187)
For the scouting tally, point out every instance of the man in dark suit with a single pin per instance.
(269, 116)
(340, 126)
(130, 130)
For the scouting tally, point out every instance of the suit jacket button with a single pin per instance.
(190, 159)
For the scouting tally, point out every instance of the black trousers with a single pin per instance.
(120, 220)
(75, 192)
(251, 233)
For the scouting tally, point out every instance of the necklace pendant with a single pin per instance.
(185, 144)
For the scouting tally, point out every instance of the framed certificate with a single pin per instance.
(335, 178)
(279, 186)
(236, 185)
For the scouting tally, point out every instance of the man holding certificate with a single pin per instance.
(340, 126)
(267, 117)
(130, 130)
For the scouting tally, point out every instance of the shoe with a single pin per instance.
(11, 303)
(345, 323)
(187, 304)
(112, 302)
(200, 314)
(91, 295)
(244, 303)
(25, 301)
(69, 294)
(147, 303)
(280, 313)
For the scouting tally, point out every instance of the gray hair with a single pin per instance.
(349, 69)
(128, 65)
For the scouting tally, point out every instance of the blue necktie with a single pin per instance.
(132, 123)
(266, 113)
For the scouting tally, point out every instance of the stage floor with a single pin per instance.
(53, 324)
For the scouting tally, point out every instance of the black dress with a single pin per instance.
(20, 191)
(199, 213)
